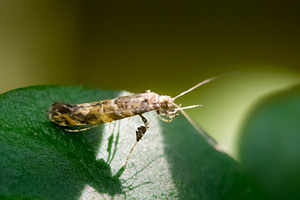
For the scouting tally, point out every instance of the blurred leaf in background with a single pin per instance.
(269, 144)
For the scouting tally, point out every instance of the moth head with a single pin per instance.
(166, 102)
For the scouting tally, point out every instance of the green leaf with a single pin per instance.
(40, 160)
(269, 145)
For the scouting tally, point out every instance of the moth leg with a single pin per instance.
(139, 134)
(81, 129)
(161, 114)
(167, 116)
(163, 119)
(142, 129)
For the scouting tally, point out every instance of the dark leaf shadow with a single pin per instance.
(199, 171)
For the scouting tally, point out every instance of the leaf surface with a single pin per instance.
(40, 160)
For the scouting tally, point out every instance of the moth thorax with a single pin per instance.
(165, 102)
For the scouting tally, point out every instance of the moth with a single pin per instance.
(89, 115)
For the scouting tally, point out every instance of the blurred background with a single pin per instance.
(164, 46)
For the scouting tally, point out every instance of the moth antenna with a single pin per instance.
(184, 108)
(211, 141)
(192, 88)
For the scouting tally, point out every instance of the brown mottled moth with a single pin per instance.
(100, 112)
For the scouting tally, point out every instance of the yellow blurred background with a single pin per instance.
(164, 46)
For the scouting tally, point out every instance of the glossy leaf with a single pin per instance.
(40, 160)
